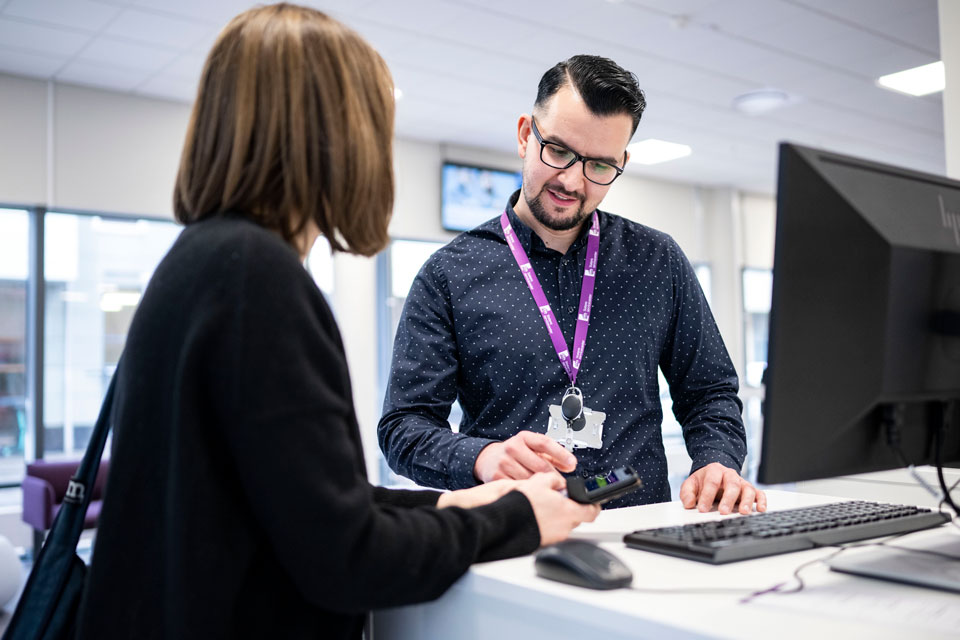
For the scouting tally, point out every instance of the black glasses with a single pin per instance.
(559, 157)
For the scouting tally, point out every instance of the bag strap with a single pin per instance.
(56, 564)
(83, 479)
(77, 499)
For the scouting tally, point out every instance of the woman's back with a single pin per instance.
(207, 359)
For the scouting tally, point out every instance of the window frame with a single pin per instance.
(34, 445)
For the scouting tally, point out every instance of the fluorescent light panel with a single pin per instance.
(653, 151)
(918, 81)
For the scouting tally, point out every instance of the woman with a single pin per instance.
(238, 504)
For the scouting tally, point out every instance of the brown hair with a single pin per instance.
(293, 122)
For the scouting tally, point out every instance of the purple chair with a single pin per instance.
(44, 487)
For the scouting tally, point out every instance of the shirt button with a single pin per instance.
(570, 309)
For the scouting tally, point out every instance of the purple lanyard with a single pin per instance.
(586, 295)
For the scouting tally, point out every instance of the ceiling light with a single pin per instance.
(760, 101)
(918, 81)
(653, 151)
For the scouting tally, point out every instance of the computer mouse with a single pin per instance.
(582, 563)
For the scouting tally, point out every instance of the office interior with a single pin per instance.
(95, 97)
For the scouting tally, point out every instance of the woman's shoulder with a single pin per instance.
(237, 235)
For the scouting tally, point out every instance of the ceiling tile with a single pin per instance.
(37, 65)
(77, 14)
(217, 12)
(186, 65)
(98, 75)
(158, 29)
(128, 55)
(169, 87)
(26, 36)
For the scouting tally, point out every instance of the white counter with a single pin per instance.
(506, 600)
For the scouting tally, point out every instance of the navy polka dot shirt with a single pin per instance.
(471, 331)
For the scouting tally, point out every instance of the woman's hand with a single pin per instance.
(557, 515)
(477, 496)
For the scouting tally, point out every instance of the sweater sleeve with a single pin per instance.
(405, 497)
(290, 428)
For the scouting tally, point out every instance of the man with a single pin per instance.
(480, 324)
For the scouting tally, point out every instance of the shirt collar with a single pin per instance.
(528, 238)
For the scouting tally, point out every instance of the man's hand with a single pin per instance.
(717, 481)
(521, 456)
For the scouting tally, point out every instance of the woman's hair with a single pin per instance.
(293, 121)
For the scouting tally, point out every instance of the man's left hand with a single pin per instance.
(714, 481)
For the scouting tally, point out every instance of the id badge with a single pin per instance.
(588, 436)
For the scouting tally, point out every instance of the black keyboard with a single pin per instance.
(766, 534)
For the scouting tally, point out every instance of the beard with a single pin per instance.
(539, 210)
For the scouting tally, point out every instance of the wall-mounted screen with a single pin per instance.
(472, 195)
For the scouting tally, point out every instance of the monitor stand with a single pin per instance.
(899, 564)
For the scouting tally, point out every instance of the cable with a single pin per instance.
(953, 520)
(940, 435)
(778, 589)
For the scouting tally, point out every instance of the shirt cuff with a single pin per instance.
(707, 456)
(464, 458)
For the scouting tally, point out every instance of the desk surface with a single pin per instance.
(506, 599)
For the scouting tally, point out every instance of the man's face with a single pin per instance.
(560, 199)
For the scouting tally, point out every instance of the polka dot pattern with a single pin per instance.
(471, 331)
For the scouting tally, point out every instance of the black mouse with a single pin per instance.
(584, 564)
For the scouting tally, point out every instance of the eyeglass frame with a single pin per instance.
(576, 157)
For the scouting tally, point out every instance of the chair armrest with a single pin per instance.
(38, 502)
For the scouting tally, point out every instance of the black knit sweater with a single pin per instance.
(237, 503)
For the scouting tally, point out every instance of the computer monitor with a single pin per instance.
(865, 318)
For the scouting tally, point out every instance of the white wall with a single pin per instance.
(115, 152)
(74, 147)
(23, 140)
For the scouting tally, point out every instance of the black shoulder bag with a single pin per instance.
(49, 604)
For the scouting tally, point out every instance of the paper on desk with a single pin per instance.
(872, 601)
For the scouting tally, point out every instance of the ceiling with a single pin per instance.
(468, 68)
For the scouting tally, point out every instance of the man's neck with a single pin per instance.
(556, 240)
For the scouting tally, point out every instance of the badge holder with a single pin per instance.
(573, 425)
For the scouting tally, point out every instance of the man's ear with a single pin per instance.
(523, 133)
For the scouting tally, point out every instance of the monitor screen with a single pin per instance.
(865, 318)
(472, 195)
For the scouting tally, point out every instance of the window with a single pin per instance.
(757, 288)
(678, 460)
(14, 231)
(95, 271)
(320, 266)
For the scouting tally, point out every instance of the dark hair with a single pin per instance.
(606, 87)
(293, 122)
